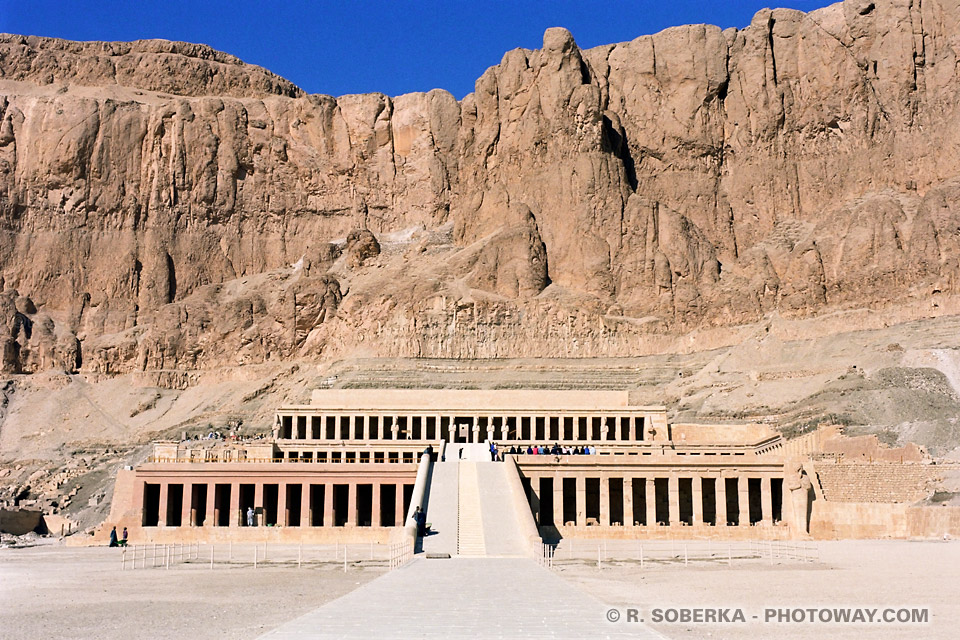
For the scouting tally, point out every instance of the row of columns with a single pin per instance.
(237, 517)
(673, 492)
(376, 429)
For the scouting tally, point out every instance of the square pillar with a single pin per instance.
(209, 519)
(673, 491)
(188, 517)
(375, 506)
(557, 501)
(503, 428)
(581, 501)
(352, 504)
(604, 500)
(766, 500)
(721, 497)
(164, 500)
(627, 501)
(401, 514)
(650, 494)
(744, 496)
(328, 518)
(306, 515)
(235, 517)
(366, 426)
(283, 509)
(696, 485)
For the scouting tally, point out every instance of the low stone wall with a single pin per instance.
(878, 482)
(847, 520)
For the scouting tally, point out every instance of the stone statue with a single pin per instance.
(798, 485)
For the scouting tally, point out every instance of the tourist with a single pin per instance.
(419, 517)
(113, 537)
(249, 516)
(123, 540)
(529, 450)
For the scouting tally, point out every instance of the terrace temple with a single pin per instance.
(582, 463)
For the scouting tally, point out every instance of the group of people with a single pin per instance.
(122, 542)
(555, 450)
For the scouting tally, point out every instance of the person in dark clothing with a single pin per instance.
(421, 519)
(113, 537)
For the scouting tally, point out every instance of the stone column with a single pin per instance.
(557, 501)
(283, 509)
(258, 504)
(210, 515)
(375, 506)
(766, 500)
(503, 428)
(616, 428)
(306, 513)
(475, 430)
(628, 502)
(188, 515)
(744, 495)
(452, 431)
(235, 517)
(673, 490)
(581, 501)
(651, 498)
(352, 504)
(576, 429)
(164, 501)
(721, 495)
(395, 428)
(366, 427)
(604, 500)
(697, 498)
(328, 518)
(401, 515)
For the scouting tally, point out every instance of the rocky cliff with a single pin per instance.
(166, 207)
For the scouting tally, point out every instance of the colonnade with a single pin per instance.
(533, 427)
(656, 499)
(346, 502)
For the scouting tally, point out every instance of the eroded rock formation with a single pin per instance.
(164, 205)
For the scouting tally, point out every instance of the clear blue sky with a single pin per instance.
(359, 46)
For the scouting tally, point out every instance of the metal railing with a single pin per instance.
(400, 554)
(665, 552)
(225, 555)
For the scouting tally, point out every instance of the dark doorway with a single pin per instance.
(151, 505)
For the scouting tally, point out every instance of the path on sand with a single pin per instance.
(463, 597)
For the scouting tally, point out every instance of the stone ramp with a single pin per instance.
(463, 598)
(501, 527)
(441, 506)
(470, 530)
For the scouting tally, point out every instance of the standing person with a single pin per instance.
(113, 537)
(124, 538)
(249, 516)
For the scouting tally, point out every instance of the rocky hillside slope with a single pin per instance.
(165, 206)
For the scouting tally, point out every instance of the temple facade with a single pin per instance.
(590, 464)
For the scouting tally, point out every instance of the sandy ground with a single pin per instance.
(57, 592)
(876, 574)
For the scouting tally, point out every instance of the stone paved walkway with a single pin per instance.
(463, 598)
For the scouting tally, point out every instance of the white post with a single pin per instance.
(123, 560)
(213, 550)
(255, 552)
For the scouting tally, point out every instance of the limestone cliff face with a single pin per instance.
(164, 205)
